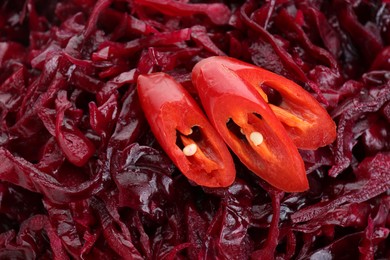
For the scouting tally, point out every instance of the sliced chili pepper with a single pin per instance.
(249, 127)
(306, 121)
(184, 132)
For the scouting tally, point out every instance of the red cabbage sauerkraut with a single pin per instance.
(82, 177)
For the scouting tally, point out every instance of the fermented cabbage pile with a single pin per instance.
(82, 176)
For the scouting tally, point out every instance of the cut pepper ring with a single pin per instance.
(306, 121)
(184, 132)
(249, 127)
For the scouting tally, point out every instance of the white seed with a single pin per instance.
(256, 138)
(190, 150)
(242, 131)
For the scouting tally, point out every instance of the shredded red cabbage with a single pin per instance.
(82, 177)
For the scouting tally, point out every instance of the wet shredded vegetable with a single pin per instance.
(82, 176)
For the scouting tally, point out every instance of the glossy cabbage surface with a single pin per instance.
(82, 177)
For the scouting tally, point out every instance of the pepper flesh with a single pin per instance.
(237, 111)
(306, 121)
(174, 117)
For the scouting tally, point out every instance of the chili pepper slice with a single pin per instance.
(249, 127)
(184, 132)
(306, 121)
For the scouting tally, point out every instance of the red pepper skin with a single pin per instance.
(306, 121)
(173, 114)
(226, 98)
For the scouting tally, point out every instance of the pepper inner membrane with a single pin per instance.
(281, 109)
(241, 133)
(205, 155)
(273, 96)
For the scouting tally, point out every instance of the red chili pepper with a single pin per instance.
(306, 121)
(249, 127)
(184, 132)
